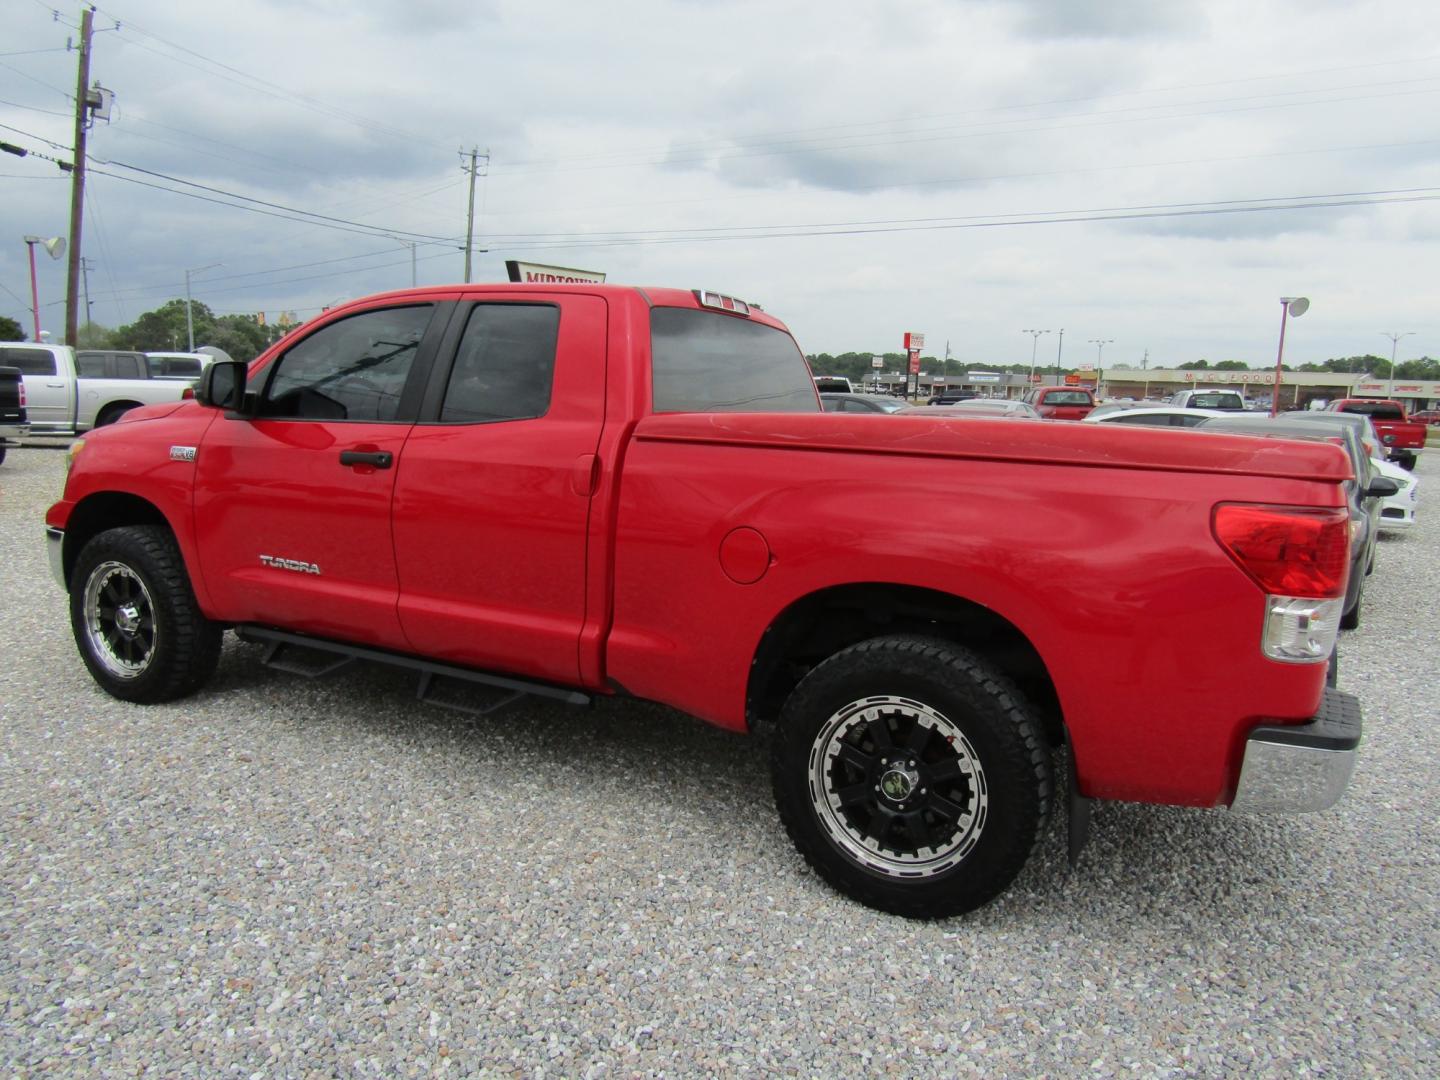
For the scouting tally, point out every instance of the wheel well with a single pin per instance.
(105, 510)
(113, 411)
(820, 625)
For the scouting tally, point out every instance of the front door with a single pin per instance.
(49, 395)
(292, 506)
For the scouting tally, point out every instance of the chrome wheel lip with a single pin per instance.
(128, 622)
(865, 850)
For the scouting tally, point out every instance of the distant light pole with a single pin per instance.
(1100, 344)
(1059, 348)
(1289, 305)
(189, 324)
(1394, 341)
(1034, 341)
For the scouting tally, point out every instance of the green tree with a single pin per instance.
(10, 330)
(1423, 368)
(1232, 365)
(94, 336)
(164, 330)
(1195, 365)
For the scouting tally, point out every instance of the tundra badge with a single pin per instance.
(182, 453)
(298, 565)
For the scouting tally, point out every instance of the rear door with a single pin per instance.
(292, 506)
(493, 502)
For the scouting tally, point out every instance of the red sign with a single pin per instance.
(914, 340)
(1072, 380)
(914, 360)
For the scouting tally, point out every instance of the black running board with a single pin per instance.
(281, 647)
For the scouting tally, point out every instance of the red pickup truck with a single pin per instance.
(585, 490)
(1061, 402)
(1403, 438)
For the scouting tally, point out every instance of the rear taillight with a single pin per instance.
(22, 393)
(1300, 557)
(1287, 550)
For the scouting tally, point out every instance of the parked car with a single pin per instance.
(178, 365)
(1332, 421)
(13, 422)
(1060, 402)
(1403, 438)
(445, 479)
(861, 403)
(980, 407)
(62, 399)
(951, 397)
(1427, 416)
(1397, 512)
(1224, 400)
(1155, 416)
(1364, 491)
(833, 384)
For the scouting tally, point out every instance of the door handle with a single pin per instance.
(381, 459)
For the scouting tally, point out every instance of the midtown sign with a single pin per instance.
(551, 275)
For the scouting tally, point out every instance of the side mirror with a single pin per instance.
(1382, 487)
(222, 385)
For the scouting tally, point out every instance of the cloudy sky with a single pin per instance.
(1148, 172)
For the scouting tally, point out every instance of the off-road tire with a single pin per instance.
(963, 739)
(135, 619)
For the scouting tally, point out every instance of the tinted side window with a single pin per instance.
(504, 365)
(29, 361)
(127, 365)
(90, 365)
(354, 369)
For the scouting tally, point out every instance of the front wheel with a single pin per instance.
(135, 618)
(912, 776)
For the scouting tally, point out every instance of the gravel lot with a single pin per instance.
(282, 877)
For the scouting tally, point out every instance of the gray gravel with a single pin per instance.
(291, 878)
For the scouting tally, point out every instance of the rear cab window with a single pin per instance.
(29, 361)
(705, 361)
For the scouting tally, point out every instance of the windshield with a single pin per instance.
(703, 361)
(1068, 397)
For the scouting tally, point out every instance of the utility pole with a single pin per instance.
(1059, 348)
(472, 169)
(77, 179)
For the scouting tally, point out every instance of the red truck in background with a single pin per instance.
(1403, 438)
(586, 490)
(1061, 402)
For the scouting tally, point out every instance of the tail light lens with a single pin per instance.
(1287, 550)
(22, 393)
(1301, 558)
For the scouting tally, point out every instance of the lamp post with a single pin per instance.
(1034, 341)
(1289, 305)
(1394, 341)
(56, 247)
(1059, 348)
(1100, 344)
(189, 324)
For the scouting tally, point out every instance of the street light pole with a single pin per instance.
(1099, 359)
(189, 324)
(1059, 348)
(1034, 341)
(1289, 305)
(1394, 341)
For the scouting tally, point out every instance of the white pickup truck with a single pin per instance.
(60, 401)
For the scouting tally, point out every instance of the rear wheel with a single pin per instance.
(135, 618)
(912, 776)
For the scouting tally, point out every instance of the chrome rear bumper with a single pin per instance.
(1301, 768)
